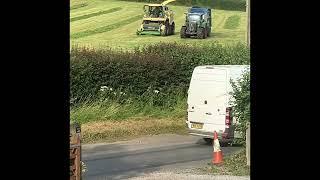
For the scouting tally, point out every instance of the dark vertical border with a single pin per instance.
(281, 65)
(36, 98)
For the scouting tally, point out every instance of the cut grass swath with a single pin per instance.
(86, 16)
(106, 28)
(232, 22)
(77, 6)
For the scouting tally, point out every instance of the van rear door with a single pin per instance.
(207, 98)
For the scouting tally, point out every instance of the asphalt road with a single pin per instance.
(134, 158)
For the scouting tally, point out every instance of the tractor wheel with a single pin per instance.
(183, 32)
(200, 33)
(167, 28)
(172, 29)
(205, 34)
(209, 32)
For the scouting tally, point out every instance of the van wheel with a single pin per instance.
(223, 144)
(208, 140)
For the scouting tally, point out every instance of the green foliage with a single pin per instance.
(241, 103)
(164, 67)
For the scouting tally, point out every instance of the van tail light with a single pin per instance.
(228, 117)
(187, 113)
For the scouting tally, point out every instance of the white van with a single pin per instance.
(208, 101)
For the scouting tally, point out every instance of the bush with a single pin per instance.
(241, 104)
(163, 67)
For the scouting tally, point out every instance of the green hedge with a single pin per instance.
(235, 5)
(164, 67)
(241, 103)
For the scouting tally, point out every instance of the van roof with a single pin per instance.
(220, 66)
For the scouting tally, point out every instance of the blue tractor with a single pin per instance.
(198, 23)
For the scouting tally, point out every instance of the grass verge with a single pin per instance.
(235, 165)
(109, 120)
(110, 131)
(110, 110)
(86, 16)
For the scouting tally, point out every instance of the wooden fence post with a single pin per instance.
(75, 152)
(248, 144)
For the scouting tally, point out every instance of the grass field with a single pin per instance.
(113, 23)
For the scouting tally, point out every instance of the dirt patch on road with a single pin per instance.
(110, 131)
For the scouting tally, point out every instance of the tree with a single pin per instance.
(241, 103)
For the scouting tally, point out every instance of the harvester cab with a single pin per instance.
(154, 11)
(157, 20)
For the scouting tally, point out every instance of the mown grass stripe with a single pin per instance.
(232, 22)
(77, 6)
(105, 28)
(86, 16)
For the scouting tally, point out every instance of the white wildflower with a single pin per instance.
(103, 88)
(72, 100)
(110, 89)
(156, 91)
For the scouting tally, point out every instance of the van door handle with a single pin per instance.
(208, 113)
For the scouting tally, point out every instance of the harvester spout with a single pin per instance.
(167, 2)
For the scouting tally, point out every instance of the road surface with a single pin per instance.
(127, 159)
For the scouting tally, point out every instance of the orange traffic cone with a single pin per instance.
(217, 156)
